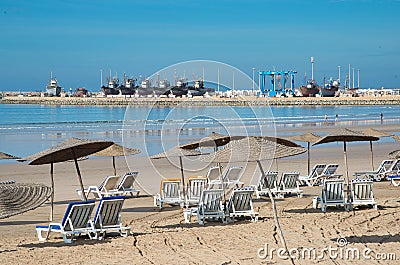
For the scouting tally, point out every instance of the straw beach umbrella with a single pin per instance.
(345, 135)
(7, 156)
(256, 149)
(213, 140)
(394, 154)
(70, 149)
(376, 133)
(396, 137)
(117, 150)
(309, 138)
(17, 198)
(178, 152)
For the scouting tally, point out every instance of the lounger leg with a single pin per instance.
(39, 234)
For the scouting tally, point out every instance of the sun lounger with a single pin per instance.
(241, 204)
(214, 177)
(330, 171)
(267, 180)
(232, 177)
(195, 186)
(315, 176)
(288, 184)
(393, 173)
(170, 193)
(210, 207)
(106, 188)
(75, 222)
(332, 195)
(377, 175)
(108, 218)
(361, 193)
(126, 185)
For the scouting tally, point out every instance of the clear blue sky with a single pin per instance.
(75, 38)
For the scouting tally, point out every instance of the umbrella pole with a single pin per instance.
(183, 179)
(79, 175)
(372, 155)
(274, 210)
(308, 158)
(52, 192)
(345, 162)
(115, 169)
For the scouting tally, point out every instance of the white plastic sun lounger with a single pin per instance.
(75, 222)
(195, 187)
(289, 183)
(361, 193)
(267, 180)
(108, 218)
(241, 204)
(106, 188)
(332, 195)
(314, 178)
(170, 193)
(378, 174)
(126, 185)
(232, 177)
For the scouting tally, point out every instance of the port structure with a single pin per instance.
(276, 77)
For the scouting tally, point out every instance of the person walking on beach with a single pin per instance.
(336, 117)
(326, 117)
(381, 117)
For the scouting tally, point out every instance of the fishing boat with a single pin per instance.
(52, 87)
(112, 87)
(128, 87)
(331, 88)
(179, 89)
(311, 88)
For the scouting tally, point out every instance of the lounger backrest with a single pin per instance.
(211, 201)
(233, 174)
(385, 166)
(108, 212)
(333, 190)
(127, 181)
(330, 169)
(289, 180)
(317, 170)
(109, 183)
(240, 200)
(362, 190)
(269, 180)
(77, 215)
(196, 187)
(395, 166)
(213, 173)
(170, 189)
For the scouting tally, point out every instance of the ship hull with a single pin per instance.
(309, 92)
(329, 92)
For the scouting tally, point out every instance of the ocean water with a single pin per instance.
(27, 129)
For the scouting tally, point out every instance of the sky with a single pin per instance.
(75, 39)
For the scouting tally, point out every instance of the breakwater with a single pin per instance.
(212, 101)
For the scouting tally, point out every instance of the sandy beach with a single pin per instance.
(162, 237)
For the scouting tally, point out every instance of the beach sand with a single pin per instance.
(162, 237)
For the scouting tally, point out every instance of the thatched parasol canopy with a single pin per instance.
(308, 138)
(213, 140)
(396, 137)
(17, 198)
(345, 135)
(255, 148)
(394, 154)
(7, 156)
(70, 149)
(117, 150)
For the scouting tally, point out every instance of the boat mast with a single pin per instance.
(358, 77)
(218, 80)
(101, 77)
(349, 77)
(312, 68)
(339, 74)
(353, 78)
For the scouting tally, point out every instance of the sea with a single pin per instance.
(26, 129)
